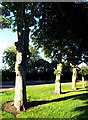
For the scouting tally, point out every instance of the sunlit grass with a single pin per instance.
(70, 104)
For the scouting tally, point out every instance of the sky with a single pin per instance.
(8, 38)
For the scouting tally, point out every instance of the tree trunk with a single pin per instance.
(83, 84)
(20, 67)
(23, 55)
(59, 70)
(58, 78)
(20, 86)
(74, 78)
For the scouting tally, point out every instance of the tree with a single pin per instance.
(74, 56)
(9, 57)
(83, 71)
(52, 35)
(77, 49)
(21, 19)
(58, 31)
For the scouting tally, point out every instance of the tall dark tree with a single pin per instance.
(20, 16)
(77, 49)
(59, 30)
(52, 35)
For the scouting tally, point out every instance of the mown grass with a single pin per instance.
(71, 104)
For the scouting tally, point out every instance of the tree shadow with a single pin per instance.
(85, 87)
(84, 90)
(84, 112)
(59, 94)
(9, 107)
(78, 89)
(32, 104)
(82, 109)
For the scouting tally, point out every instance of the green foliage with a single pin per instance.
(66, 67)
(56, 72)
(8, 75)
(9, 57)
(9, 17)
(83, 71)
(77, 49)
(50, 32)
(62, 66)
(57, 80)
(59, 28)
(36, 64)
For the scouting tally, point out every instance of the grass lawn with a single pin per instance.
(72, 104)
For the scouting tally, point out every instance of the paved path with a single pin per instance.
(8, 86)
(27, 86)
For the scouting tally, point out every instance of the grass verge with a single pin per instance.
(70, 104)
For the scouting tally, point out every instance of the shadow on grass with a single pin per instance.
(82, 109)
(84, 112)
(86, 87)
(31, 105)
(79, 89)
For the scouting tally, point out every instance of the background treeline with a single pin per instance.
(38, 68)
(43, 75)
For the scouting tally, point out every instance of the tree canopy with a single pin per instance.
(83, 71)
(9, 14)
(52, 29)
(63, 26)
(61, 34)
